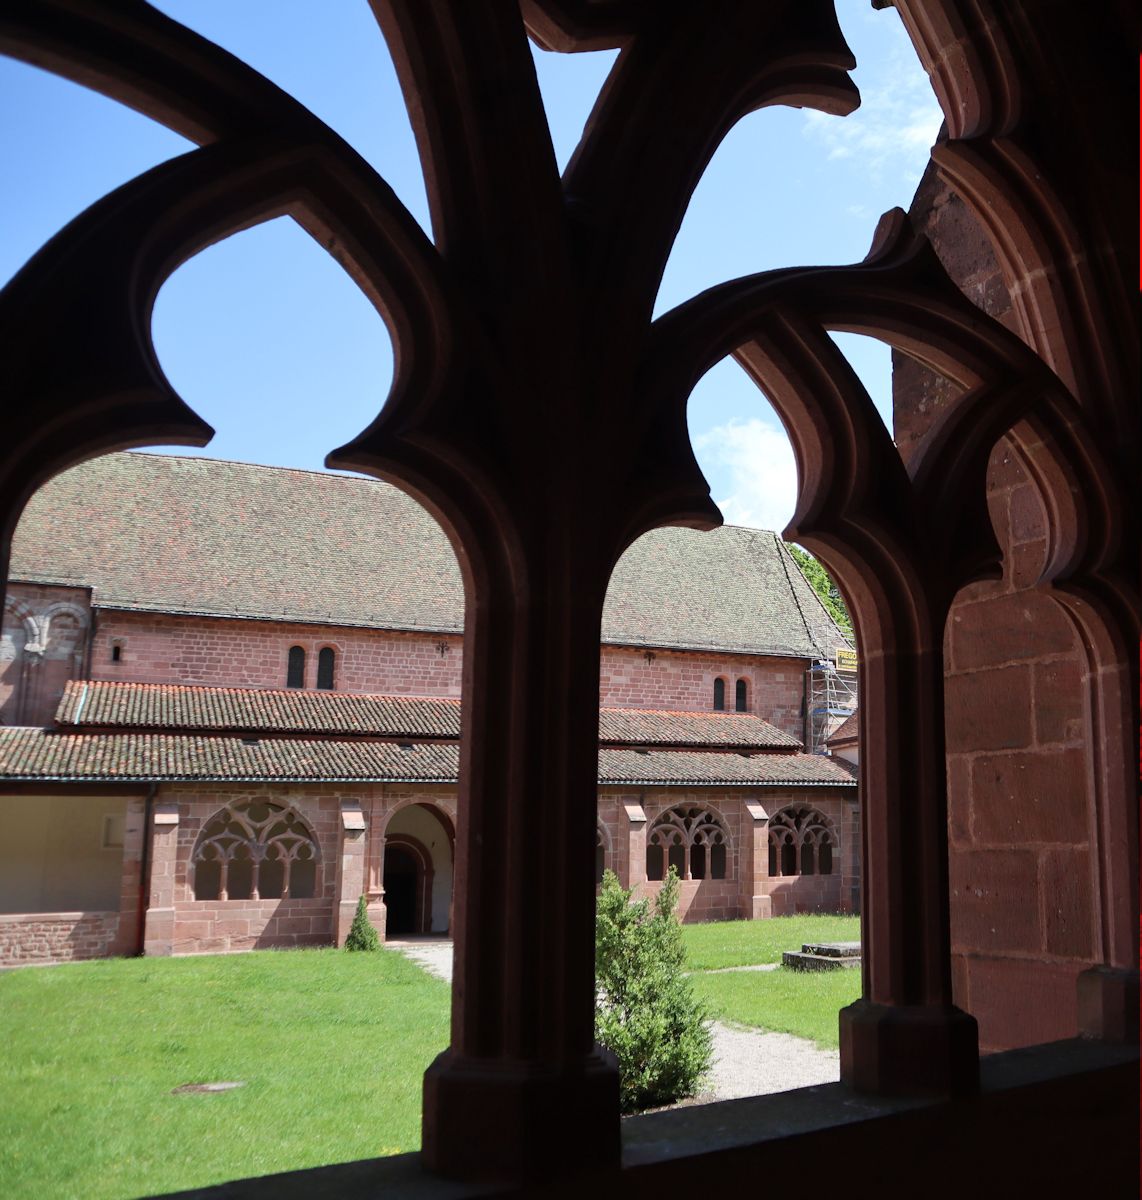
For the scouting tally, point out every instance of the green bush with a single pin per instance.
(645, 1011)
(362, 933)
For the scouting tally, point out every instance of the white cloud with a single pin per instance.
(895, 126)
(754, 462)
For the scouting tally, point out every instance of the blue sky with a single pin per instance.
(270, 342)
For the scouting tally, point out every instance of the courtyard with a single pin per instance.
(328, 1049)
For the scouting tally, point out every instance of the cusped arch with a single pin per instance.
(255, 849)
(802, 841)
(693, 839)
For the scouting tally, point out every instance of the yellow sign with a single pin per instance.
(845, 659)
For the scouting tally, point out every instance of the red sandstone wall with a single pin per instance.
(731, 898)
(157, 648)
(1020, 811)
(215, 652)
(220, 926)
(31, 684)
(41, 938)
(685, 680)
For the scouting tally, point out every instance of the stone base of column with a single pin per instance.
(760, 908)
(378, 913)
(158, 932)
(1108, 1000)
(511, 1122)
(909, 1050)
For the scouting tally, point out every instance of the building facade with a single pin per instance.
(230, 698)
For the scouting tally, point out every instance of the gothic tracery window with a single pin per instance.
(691, 839)
(801, 842)
(255, 850)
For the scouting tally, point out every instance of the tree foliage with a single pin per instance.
(646, 1013)
(362, 933)
(825, 588)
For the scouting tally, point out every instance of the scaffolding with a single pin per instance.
(830, 697)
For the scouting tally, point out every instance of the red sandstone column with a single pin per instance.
(905, 1036)
(158, 934)
(523, 1080)
(131, 882)
(636, 845)
(850, 857)
(350, 867)
(755, 861)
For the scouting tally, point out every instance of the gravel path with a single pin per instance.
(746, 1061)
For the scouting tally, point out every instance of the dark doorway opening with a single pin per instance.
(400, 880)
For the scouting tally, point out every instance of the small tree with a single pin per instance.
(645, 1011)
(362, 933)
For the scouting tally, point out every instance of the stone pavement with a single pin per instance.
(746, 1062)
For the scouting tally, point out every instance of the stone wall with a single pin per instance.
(43, 644)
(215, 652)
(684, 680)
(747, 890)
(1020, 810)
(28, 939)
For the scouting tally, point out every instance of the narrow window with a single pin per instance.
(116, 652)
(325, 660)
(600, 856)
(825, 858)
(741, 696)
(719, 695)
(295, 670)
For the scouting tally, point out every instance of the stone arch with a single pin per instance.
(692, 838)
(797, 836)
(604, 851)
(426, 830)
(255, 848)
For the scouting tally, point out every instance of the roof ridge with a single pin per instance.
(237, 462)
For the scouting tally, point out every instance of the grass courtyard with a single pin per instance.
(330, 1049)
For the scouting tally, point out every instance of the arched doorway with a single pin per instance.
(417, 872)
(403, 884)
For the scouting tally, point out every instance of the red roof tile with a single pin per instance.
(39, 754)
(112, 705)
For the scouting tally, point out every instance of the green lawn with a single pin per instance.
(804, 1003)
(745, 943)
(331, 1048)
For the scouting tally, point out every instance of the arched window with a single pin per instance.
(693, 841)
(295, 668)
(325, 661)
(600, 854)
(255, 850)
(719, 694)
(801, 842)
(741, 696)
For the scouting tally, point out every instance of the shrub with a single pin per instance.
(362, 933)
(645, 1011)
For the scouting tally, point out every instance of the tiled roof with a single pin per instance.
(196, 535)
(108, 704)
(135, 757)
(847, 731)
(88, 703)
(652, 727)
(701, 769)
(38, 754)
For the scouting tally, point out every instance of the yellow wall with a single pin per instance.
(52, 857)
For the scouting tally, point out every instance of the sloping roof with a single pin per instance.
(196, 535)
(698, 769)
(41, 755)
(88, 704)
(847, 731)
